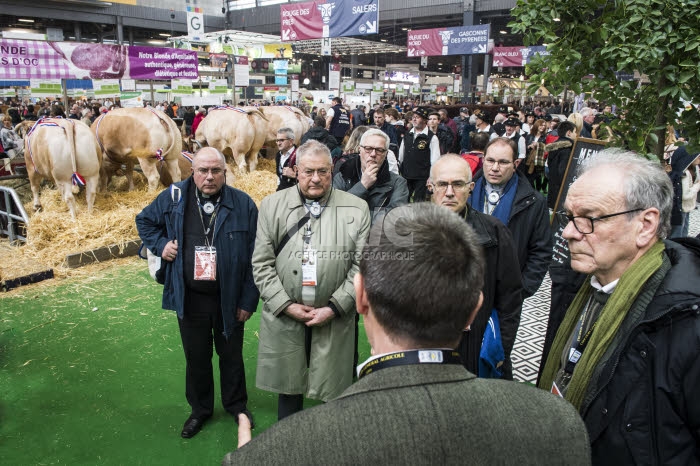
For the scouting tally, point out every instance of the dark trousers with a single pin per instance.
(418, 190)
(201, 328)
(290, 404)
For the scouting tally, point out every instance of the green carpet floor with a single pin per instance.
(92, 372)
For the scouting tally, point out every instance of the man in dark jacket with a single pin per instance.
(204, 231)
(501, 192)
(451, 183)
(367, 175)
(418, 151)
(414, 402)
(285, 159)
(338, 121)
(319, 133)
(557, 160)
(627, 354)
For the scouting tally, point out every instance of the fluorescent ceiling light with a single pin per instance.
(164, 34)
(24, 20)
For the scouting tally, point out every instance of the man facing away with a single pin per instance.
(627, 354)
(414, 403)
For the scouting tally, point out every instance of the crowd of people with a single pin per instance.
(365, 205)
(459, 208)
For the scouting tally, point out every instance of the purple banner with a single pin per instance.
(24, 59)
(516, 56)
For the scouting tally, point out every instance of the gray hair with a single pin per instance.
(645, 183)
(499, 118)
(312, 147)
(585, 111)
(375, 132)
(288, 132)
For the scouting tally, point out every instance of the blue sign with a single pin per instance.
(350, 17)
(529, 52)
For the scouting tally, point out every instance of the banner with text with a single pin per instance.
(25, 59)
(516, 56)
(463, 40)
(319, 19)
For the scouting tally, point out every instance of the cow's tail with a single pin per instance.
(76, 178)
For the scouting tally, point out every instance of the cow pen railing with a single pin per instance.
(13, 218)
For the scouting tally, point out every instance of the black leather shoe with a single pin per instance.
(192, 426)
(249, 415)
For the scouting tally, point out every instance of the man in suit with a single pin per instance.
(286, 159)
(414, 402)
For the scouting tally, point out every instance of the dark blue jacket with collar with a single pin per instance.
(234, 239)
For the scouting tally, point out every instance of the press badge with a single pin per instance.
(204, 263)
(308, 267)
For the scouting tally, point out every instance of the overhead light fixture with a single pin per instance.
(503, 32)
(25, 20)
(164, 34)
(404, 29)
(382, 40)
(554, 19)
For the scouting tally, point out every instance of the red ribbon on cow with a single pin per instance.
(78, 179)
(188, 155)
(159, 154)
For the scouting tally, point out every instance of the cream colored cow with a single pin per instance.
(284, 117)
(66, 152)
(144, 134)
(239, 133)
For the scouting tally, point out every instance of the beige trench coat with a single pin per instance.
(339, 236)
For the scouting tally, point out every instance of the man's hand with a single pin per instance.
(242, 315)
(369, 174)
(320, 317)
(244, 430)
(289, 172)
(170, 251)
(299, 312)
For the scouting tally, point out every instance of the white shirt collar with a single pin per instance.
(609, 288)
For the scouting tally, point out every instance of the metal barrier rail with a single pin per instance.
(12, 199)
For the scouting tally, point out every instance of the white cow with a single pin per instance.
(147, 135)
(239, 133)
(284, 117)
(66, 152)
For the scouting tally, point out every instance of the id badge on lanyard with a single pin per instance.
(308, 262)
(204, 263)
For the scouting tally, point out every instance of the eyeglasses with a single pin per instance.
(278, 141)
(583, 224)
(376, 150)
(457, 186)
(491, 162)
(213, 171)
(321, 172)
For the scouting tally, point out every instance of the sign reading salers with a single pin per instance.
(337, 18)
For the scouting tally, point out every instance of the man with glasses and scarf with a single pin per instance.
(627, 354)
(204, 231)
(501, 192)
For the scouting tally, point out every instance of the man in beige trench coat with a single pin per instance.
(307, 252)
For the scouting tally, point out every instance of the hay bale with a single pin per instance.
(52, 234)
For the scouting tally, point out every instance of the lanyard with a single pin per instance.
(213, 219)
(403, 358)
(581, 339)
